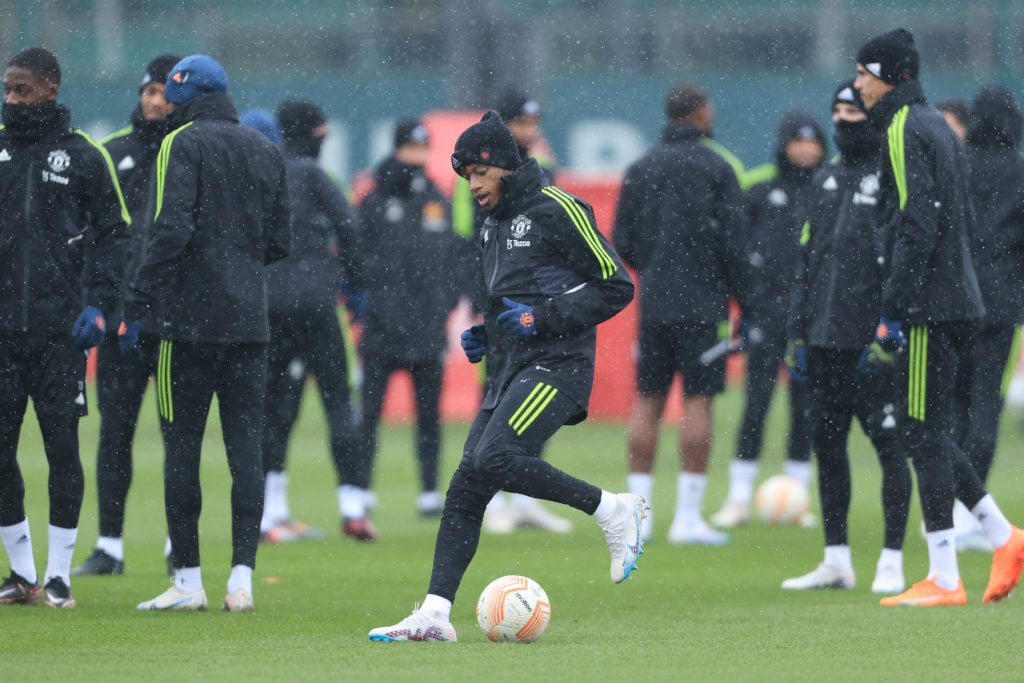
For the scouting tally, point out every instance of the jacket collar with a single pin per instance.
(679, 132)
(217, 105)
(908, 92)
(516, 186)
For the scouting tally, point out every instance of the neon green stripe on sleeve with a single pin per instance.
(162, 159)
(125, 216)
(585, 227)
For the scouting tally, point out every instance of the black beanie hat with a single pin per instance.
(158, 70)
(848, 94)
(298, 118)
(995, 118)
(891, 56)
(488, 142)
(800, 124)
(410, 132)
(514, 104)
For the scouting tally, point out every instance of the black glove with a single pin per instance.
(474, 343)
(88, 328)
(518, 320)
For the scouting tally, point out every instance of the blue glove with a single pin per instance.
(357, 303)
(796, 359)
(128, 336)
(474, 343)
(88, 328)
(518, 320)
(881, 353)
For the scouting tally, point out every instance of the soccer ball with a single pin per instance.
(513, 609)
(781, 500)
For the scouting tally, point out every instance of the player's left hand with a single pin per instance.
(518, 319)
(88, 328)
(881, 353)
(128, 336)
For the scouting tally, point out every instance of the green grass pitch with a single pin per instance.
(692, 614)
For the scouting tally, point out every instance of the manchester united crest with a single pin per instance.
(59, 161)
(520, 226)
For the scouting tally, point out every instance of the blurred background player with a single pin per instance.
(957, 114)
(774, 209)
(680, 224)
(836, 293)
(65, 231)
(121, 379)
(305, 334)
(996, 185)
(263, 121)
(411, 261)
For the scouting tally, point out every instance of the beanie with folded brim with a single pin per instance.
(194, 76)
(488, 142)
(891, 56)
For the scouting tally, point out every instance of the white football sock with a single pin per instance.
(188, 579)
(801, 471)
(742, 475)
(519, 501)
(689, 498)
(606, 508)
(942, 565)
(241, 577)
(498, 502)
(839, 556)
(111, 546)
(890, 558)
(641, 484)
(964, 521)
(436, 606)
(18, 542)
(167, 547)
(59, 553)
(997, 528)
(351, 502)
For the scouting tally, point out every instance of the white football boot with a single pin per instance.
(418, 627)
(823, 576)
(622, 532)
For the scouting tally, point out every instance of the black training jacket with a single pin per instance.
(680, 224)
(63, 228)
(133, 150)
(541, 247)
(221, 215)
(774, 212)
(997, 190)
(323, 251)
(412, 260)
(925, 211)
(838, 282)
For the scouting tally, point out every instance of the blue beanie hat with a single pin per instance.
(194, 76)
(263, 121)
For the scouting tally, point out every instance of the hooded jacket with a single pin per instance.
(679, 223)
(541, 247)
(925, 211)
(63, 227)
(996, 183)
(412, 259)
(775, 210)
(220, 216)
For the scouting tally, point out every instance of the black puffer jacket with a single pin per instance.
(680, 224)
(997, 190)
(221, 215)
(63, 226)
(324, 249)
(925, 211)
(541, 247)
(411, 260)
